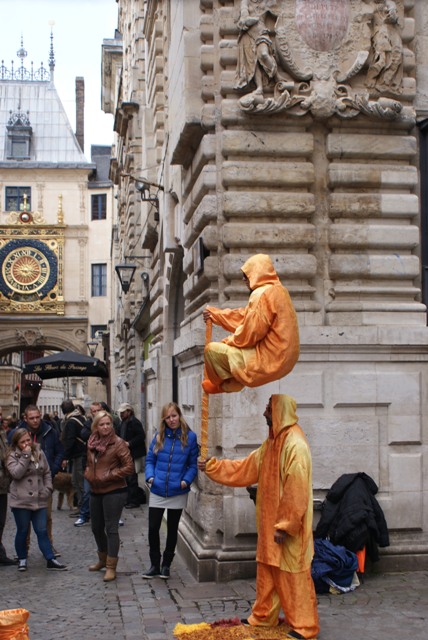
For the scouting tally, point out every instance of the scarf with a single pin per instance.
(98, 444)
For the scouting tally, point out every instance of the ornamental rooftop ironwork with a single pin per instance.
(22, 74)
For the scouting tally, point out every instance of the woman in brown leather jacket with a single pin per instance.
(108, 463)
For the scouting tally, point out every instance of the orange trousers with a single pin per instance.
(294, 592)
(220, 361)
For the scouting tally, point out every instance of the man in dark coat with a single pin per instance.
(74, 445)
(131, 430)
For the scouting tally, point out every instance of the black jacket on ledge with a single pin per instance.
(352, 517)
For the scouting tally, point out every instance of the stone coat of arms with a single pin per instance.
(326, 57)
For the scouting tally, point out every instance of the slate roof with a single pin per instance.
(53, 143)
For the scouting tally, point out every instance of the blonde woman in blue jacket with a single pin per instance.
(171, 467)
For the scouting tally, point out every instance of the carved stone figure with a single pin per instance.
(385, 72)
(256, 59)
(30, 337)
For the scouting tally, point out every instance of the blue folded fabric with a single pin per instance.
(332, 563)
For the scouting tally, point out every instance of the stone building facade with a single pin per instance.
(289, 128)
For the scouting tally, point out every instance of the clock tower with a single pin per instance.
(31, 264)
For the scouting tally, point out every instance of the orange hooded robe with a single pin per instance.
(282, 467)
(265, 343)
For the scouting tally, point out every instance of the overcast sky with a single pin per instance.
(79, 29)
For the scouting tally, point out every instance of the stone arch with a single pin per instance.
(43, 334)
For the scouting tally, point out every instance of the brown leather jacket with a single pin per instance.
(107, 472)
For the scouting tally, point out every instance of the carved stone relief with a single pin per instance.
(30, 337)
(326, 57)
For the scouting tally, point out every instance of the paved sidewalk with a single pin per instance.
(78, 604)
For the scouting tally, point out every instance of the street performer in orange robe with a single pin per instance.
(282, 467)
(264, 345)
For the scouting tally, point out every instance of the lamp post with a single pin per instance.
(92, 347)
(125, 273)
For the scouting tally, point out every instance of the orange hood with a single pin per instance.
(259, 271)
(283, 413)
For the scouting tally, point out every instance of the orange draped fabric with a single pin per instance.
(282, 467)
(264, 345)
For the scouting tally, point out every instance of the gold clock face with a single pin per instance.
(26, 270)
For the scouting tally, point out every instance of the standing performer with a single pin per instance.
(282, 467)
(265, 344)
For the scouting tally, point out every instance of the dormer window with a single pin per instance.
(18, 198)
(19, 132)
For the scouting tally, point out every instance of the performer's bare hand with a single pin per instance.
(279, 536)
(202, 463)
(206, 315)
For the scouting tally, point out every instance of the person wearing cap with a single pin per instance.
(131, 430)
(282, 469)
(264, 345)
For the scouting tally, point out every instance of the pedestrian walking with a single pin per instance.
(74, 446)
(30, 490)
(171, 467)
(108, 463)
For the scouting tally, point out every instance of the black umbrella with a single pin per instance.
(66, 364)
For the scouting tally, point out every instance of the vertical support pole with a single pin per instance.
(205, 400)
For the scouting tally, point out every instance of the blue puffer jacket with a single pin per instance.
(172, 464)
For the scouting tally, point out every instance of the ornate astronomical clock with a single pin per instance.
(31, 265)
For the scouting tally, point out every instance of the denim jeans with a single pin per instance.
(38, 518)
(84, 505)
(106, 509)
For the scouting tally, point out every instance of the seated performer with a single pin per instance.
(264, 345)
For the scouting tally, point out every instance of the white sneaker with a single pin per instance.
(22, 565)
(121, 522)
(80, 522)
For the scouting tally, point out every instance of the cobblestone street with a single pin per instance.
(78, 604)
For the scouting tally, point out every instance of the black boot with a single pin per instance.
(153, 572)
(164, 572)
(4, 560)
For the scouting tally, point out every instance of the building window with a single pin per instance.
(19, 148)
(99, 280)
(99, 206)
(18, 198)
(97, 330)
(19, 134)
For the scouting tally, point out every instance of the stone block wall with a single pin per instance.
(321, 171)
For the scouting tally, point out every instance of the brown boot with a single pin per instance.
(101, 562)
(111, 565)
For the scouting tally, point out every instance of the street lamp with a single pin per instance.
(125, 273)
(92, 347)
